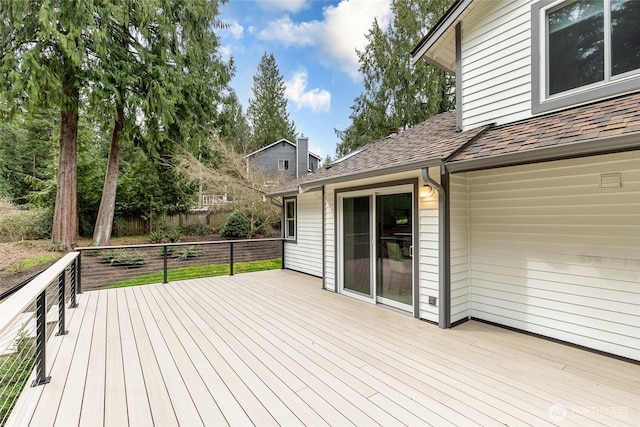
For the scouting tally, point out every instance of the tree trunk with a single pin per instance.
(65, 215)
(104, 221)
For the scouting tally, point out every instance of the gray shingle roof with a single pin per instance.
(436, 139)
(433, 140)
(611, 117)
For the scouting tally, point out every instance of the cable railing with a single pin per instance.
(27, 318)
(125, 265)
(31, 312)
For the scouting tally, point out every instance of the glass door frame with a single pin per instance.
(372, 192)
(340, 244)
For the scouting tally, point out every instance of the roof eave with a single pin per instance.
(603, 145)
(283, 193)
(269, 146)
(406, 167)
(444, 24)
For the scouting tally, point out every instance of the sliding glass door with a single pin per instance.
(394, 263)
(356, 262)
(376, 245)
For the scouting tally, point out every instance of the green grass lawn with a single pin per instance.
(35, 261)
(198, 271)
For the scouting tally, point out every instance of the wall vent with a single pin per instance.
(610, 181)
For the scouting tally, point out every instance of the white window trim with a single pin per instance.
(282, 163)
(609, 87)
(286, 219)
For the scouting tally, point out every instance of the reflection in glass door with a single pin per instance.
(356, 261)
(394, 252)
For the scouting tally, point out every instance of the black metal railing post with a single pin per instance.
(79, 274)
(282, 254)
(41, 341)
(73, 275)
(61, 308)
(231, 259)
(164, 255)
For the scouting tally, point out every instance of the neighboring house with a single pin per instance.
(522, 207)
(285, 158)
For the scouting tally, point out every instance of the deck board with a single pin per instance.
(273, 348)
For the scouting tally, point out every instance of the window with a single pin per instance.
(290, 219)
(587, 49)
(283, 165)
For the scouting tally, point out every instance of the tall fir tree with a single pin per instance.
(396, 93)
(267, 111)
(150, 69)
(234, 127)
(43, 54)
(157, 62)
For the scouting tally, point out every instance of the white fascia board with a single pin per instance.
(445, 25)
(269, 146)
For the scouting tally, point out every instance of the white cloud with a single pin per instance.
(225, 52)
(235, 29)
(289, 33)
(337, 36)
(317, 100)
(284, 5)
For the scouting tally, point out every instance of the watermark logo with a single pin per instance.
(557, 412)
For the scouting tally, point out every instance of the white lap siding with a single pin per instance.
(459, 199)
(553, 253)
(305, 255)
(429, 259)
(496, 63)
(329, 239)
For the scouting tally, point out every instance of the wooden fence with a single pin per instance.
(135, 226)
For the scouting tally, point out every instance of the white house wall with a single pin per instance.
(305, 255)
(553, 253)
(429, 254)
(428, 238)
(459, 241)
(329, 240)
(496, 63)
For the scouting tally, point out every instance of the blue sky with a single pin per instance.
(314, 44)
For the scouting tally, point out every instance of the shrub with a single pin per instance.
(26, 225)
(157, 236)
(244, 223)
(185, 252)
(173, 235)
(195, 230)
(125, 258)
(235, 226)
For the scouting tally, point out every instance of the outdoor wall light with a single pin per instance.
(428, 190)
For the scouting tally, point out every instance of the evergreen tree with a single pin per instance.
(234, 127)
(267, 110)
(27, 145)
(157, 61)
(43, 49)
(397, 94)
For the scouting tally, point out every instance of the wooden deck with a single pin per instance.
(272, 348)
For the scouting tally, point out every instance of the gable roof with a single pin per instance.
(278, 142)
(438, 45)
(425, 144)
(609, 125)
